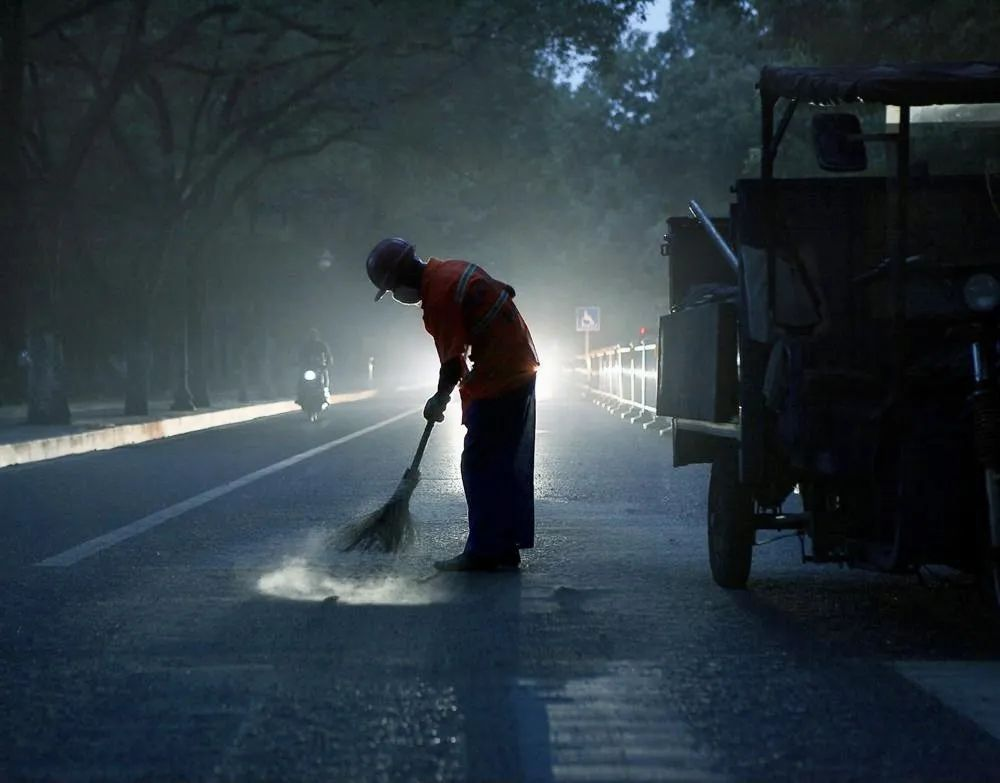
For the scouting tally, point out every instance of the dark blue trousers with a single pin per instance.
(498, 472)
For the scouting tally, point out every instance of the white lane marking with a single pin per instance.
(970, 688)
(608, 727)
(95, 545)
(415, 387)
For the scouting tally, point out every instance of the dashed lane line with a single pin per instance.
(610, 727)
(89, 548)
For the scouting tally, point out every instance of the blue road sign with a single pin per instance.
(588, 319)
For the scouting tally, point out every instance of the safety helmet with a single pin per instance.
(384, 262)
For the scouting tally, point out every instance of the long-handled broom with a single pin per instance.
(391, 527)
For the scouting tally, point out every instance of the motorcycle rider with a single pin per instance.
(315, 355)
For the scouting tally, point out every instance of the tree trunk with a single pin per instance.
(32, 242)
(266, 374)
(241, 361)
(239, 355)
(13, 214)
(196, 333)
(137, 357)
(47, 402)
(183, 400)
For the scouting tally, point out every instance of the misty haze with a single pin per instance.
(492, 390)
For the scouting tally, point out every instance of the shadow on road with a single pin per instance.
(395, 672)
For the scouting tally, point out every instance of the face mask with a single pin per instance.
(406, 295)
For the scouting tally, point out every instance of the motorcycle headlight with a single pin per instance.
(982, 292)
(309, 375)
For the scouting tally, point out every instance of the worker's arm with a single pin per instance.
(449, 375)
(448, 378)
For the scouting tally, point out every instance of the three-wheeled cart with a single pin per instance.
(836, 336)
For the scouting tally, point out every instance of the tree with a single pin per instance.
(13, 215)
(154, 126)
(873, 31)
(54, 145)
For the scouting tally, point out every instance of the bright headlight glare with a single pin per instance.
(309, 375)
(982, 292)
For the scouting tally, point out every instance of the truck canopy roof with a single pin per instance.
(917, 84)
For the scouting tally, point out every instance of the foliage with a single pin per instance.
(234, 142)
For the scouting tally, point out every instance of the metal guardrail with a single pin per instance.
(622, 379)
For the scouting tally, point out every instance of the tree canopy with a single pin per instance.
(178, 168)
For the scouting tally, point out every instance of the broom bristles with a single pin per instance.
(388, 529)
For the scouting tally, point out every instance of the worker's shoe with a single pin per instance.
(469, 561)
(510, 560)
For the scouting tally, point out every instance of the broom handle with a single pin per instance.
(423, 445)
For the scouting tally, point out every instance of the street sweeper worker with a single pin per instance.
(472, 318)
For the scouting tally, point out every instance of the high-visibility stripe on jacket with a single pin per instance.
(472, 316)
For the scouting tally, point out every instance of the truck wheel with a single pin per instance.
(730, 523)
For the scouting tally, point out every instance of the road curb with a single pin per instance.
(114, 436)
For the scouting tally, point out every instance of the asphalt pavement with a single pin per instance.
(176, 611)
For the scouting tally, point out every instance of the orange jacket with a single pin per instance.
(471, 315)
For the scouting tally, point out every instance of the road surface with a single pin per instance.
(174, 612)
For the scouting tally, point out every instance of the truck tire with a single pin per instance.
(730, 523)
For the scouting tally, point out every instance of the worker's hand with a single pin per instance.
(434, 407)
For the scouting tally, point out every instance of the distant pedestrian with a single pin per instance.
(472, 316)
